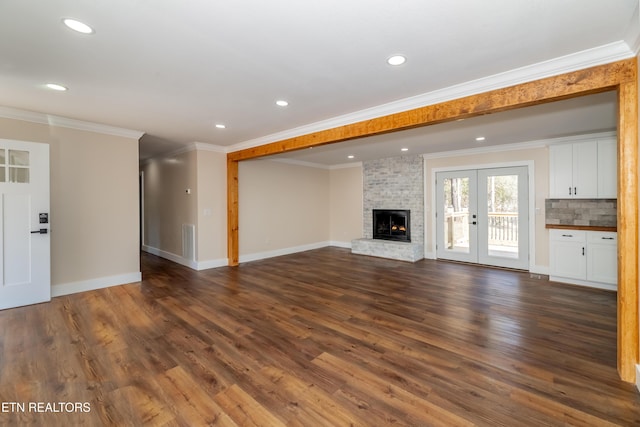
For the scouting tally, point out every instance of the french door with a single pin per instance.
(483, 216)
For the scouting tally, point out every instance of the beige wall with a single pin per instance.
(168, 206)
(540, 157)
(281, 206)
(94, 201)
(166, 203)
(212, 206)
(345, 204)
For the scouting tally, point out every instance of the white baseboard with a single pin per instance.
(596, 285)
(429, 255)
(170, 256)
(92, 284)
(284, 251)
(195, 265)
(212, 263)
(346, 245)
(539, 269)
(638, 377)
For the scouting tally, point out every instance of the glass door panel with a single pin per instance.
(456, 198)
(503, 217)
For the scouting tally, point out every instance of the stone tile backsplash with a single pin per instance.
(582, 212)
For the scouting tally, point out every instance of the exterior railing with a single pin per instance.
(502, 228)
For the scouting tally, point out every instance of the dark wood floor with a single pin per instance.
(320, 338)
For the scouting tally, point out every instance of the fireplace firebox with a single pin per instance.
(391, 225)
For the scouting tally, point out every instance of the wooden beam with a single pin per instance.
(233, 246)
(577, 83)
(621, 76)
(628, 230)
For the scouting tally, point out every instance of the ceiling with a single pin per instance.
(175, 69)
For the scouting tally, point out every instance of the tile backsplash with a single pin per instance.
(582, 212)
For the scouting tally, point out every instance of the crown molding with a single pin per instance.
(317, 165)
(58, 121)
(633, 34)
(541, 143)
(605, 54)
(346, 166)
(192, 146)
(300, 163)
(204, 146)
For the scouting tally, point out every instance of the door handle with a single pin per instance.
(41, 231)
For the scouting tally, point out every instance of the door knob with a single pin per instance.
(41, 231)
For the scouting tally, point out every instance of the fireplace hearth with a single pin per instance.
(391, 225)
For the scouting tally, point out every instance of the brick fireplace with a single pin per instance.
(393, 184)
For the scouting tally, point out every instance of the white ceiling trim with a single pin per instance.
(518, 145)
(633, 35)
(204, 146)
(346, 166)
(51, 120)
(300, 163)
(576, 61)
(193, 146)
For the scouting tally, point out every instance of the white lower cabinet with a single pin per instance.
(584, 258)
(602, 262)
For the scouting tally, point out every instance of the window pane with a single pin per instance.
(456, 217)
(18, 158)
(502, 212)
(3, 177)
(19, 175)
(3, 156)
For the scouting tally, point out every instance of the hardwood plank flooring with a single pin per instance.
(319, 338)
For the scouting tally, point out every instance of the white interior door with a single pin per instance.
(24, 224)
(482, 216)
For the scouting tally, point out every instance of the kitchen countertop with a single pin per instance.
(580, 227)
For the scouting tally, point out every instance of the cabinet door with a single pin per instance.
(561, 171)
(568, 256)
(607, 169)
(585, 170)
(602, 257)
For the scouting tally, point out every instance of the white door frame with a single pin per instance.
(431, 213)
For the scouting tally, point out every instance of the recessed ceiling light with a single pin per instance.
(396, 60)
(350, 156)
(404, 149)
(220, 126)
(480, 138)
(54, 86)
(282, 103)
(78, 26)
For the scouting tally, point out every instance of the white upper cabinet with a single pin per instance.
(607, 169)
(584, 170)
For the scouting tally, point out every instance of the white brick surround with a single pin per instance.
(393, 183)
